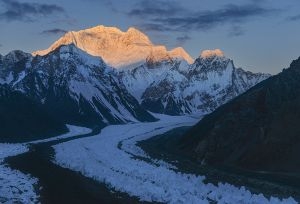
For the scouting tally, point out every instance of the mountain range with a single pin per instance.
(102, 75)
(163, 81)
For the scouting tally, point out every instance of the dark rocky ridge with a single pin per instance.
(22, 119)
(258, 130)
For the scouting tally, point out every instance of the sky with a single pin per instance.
(259, 35)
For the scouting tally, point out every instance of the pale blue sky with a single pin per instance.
(259, 35)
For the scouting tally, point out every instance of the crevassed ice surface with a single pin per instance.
(110, 157)
(15, 187)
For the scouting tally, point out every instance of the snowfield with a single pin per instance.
(111, 158)
(16, 187)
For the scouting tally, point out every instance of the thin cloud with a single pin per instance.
(183, 39)
(107, 3)
(54, 31)
(294, 18)
(236, 31)
(154, 27)
(19, 11)
(68, 21)
(167, 16)
(209, 19)
(146, 9)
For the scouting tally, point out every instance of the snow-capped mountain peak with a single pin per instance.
(180, 53)
(212, 53)
(117, 48)
(173, 87)
(137, 37)
(71, 51)
(16, 55)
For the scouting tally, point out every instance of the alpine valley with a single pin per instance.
(106, 114)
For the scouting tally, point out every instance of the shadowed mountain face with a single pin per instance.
(23, 120)
(258, 130)
(73, 87)
(175, 88)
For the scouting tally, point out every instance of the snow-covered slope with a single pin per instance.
(117, 48)
(163, 81)
(76, 87)
(175, 87)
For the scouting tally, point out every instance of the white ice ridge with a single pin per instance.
(110, 157)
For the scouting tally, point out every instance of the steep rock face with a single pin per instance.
(22, 119)
(174, 87)
(258, 130)
(78, 88)
(117, 48)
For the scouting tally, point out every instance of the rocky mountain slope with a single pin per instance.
(258, 130)
(174, 87)
(23, 120)
(74, 86)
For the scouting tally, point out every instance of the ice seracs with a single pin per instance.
(15, 186)
(117, 48)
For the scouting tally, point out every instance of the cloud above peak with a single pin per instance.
(15, 10)
(183, 39)
(172, 16)
(54, 31)
(149, 9)
(294, 18)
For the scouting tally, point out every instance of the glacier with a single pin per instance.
(112, 158)
(17, 187)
